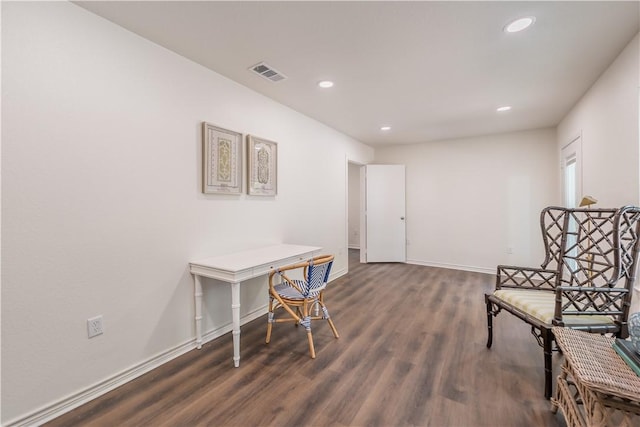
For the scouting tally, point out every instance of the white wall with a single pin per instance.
(468, 200)
(101, 202)
(608, 117)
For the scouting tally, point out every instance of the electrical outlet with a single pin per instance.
(94, 326)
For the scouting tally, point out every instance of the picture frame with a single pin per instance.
(262, 166)
(221, 160)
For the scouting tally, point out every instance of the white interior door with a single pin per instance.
(384, 214)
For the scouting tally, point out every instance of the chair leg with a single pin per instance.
(489, 322)
(325, 315)
(547, 339)
(270, 319)
(333, 328)
(312, 350)
(306, 322)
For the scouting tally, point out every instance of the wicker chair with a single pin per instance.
(585, 282)
(302, 299)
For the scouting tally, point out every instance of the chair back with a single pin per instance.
(593, 246)
(316, 274)
(552, 226)
(595, 254)
(599, 247)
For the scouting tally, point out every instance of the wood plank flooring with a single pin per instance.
(411, 352)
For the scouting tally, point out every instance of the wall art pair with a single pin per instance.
(222, 163)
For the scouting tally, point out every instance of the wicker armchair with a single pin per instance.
(301, 299)
(585, 282)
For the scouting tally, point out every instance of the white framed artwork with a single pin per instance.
(222, 160)
(262, 161)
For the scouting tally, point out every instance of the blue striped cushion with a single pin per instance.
(286, 291)
(541, 305)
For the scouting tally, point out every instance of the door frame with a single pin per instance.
(572, 149)
(347, 162)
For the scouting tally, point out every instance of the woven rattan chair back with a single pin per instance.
(316, 276)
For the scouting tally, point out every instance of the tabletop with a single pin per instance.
(243, 260)
(597, 364)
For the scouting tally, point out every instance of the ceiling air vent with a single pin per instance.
(268, 72)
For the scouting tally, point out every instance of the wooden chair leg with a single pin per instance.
(489, 322)
(312, 350)
(325, 314)
(270, 320)
(306, 322)
(333, 328)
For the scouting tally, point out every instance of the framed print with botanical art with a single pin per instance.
(222, 160)
(262, 166)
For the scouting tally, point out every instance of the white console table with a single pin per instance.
(239, 266)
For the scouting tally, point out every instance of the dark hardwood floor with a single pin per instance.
(411, 352)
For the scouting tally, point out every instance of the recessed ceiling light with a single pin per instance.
(325, 84)
(505, 108)
(385, 128)
(519, 24)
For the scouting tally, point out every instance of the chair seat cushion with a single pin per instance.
(288, 292)
(541, 305)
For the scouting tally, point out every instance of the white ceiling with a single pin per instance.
(431, 70)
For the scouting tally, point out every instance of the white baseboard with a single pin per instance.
(337, 274)
(453, 266)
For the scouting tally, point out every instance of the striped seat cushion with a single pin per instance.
(289, 292)
(541, 305)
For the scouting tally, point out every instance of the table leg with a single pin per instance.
(235, 313)
(197, 294)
